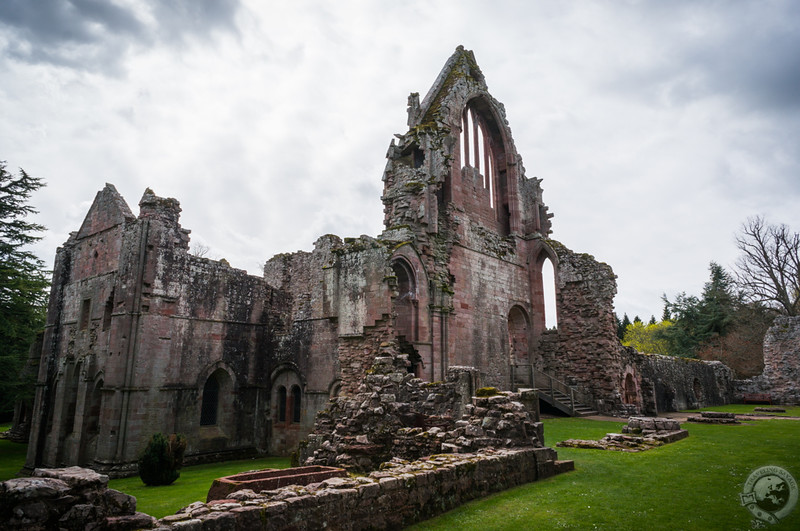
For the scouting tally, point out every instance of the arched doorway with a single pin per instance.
(629, 391)
(406, 309)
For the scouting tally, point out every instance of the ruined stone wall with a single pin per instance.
(782, 359)
(586, 352)
(398, 495)
(781, 376)
(395, 414)
(68, 498)
(136, 327)
(669, 383)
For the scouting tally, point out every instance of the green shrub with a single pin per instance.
(162, 459)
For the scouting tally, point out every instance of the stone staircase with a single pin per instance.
(554, 392)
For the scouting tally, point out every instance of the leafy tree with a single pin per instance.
(768, 270)
(23, 280)
(650, 339)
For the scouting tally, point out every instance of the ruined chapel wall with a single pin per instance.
(587, 349)
(485, 289)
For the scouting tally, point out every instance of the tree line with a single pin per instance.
(23, 286)
(727, 322)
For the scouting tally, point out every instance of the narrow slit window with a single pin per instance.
(281, 404)
(296, 405)
(476, 151)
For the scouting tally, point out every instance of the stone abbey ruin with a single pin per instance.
(142, 336)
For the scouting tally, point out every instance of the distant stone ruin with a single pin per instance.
(142, 336)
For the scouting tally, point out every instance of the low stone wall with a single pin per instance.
(68, 498)
(670, 383)
(399, 494)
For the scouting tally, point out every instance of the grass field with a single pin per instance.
(12, 456)
(692, 484)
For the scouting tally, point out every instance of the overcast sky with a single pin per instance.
(657, 127)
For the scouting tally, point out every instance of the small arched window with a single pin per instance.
(209, 406)
(281, 404)
(296, 406)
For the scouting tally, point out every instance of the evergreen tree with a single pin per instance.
(636, 319)
(652, 320)
(665, 315)
(682, 337)
(22, 284)
(717, 307)
(623, 326)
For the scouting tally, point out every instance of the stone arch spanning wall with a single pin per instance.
(287, 408)
(214, 416)
(540, 254)
(410, 305)
(518, 335)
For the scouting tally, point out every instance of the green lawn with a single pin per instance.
(192, 486)
(12, 456)
(691, 484)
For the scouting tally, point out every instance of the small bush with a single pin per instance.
(162, 459)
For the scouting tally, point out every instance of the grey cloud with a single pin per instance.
(94, 35)
(744, 50)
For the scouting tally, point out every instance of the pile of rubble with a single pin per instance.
(641, 433)
(395, 414)
(68, 498)
(714, 417)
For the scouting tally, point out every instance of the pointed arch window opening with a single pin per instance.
(209, 406)
(477, 150)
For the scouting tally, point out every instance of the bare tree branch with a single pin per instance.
(200, 249)
(768, 270)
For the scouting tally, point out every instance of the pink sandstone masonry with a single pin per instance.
(143, 336)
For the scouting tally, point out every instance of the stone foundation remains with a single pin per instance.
(714, 417)
(271, 479)
(640, 434)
